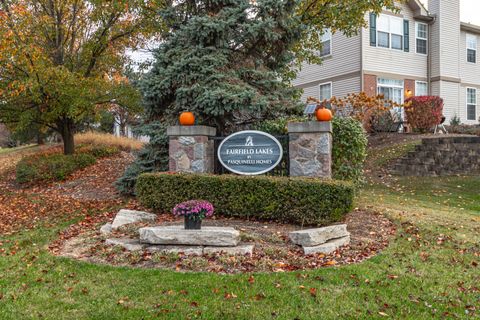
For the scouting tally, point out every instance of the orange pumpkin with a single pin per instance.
(187, 119)
(323, 114)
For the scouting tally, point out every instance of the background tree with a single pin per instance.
(58, 58)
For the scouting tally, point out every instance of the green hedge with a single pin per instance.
(51, 166)
(290, 200)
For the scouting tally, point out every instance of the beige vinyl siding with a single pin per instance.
(446, 39)
(383, 60)
(469, 72)
(452, 95)
(345, 59)
(340, 88)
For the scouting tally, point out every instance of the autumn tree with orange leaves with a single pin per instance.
(60, 59)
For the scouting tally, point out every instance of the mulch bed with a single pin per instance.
(370, 233)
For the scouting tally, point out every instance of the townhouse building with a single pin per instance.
(412, 52)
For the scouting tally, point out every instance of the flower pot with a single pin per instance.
(192, 224)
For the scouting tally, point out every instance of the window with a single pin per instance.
(421, 31)
(392, 90)
(325, 91)
(471, 48)
(421, 88)
(390, 32)
(471, 104)
(326, 40)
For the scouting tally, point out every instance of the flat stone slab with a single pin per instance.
(136, 245)
(106, 229)
(187, 250)
(125, 216)
(327, 247)
(177, 235)
(318, 236)
(238, 250)
(128, 244)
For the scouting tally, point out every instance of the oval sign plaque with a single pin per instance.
(250, 152)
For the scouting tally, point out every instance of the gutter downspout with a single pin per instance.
(429, 56)
(361, 61)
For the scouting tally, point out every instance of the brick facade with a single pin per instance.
(370, 84)
(409, 88)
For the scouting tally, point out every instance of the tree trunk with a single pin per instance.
(67, 136)
(40, 140)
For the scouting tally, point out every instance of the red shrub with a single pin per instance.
(423, 113)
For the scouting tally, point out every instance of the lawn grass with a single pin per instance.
(4, 151)
(430, 271)
(420, 276)
(385, 155)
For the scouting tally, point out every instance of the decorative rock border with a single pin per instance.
(175, 239)
(135, 245)
(177, 235)
(321, 240)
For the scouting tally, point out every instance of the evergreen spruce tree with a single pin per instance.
(223, 60)
(226, 61)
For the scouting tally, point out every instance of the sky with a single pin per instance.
(469, 12)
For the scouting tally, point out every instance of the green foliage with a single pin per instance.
(51, 167)
(290, 200)
(277, 126)
(349, 149)
(153, 157)
(224, 63)
(455, 121)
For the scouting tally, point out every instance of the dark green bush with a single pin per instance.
(349, 149)
(48, 167)
(290, 200)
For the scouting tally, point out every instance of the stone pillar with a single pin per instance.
(310, 149)
(190, 149)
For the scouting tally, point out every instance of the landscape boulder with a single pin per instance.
(125, 216)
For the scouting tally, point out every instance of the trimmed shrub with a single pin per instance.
(289, 200)
(423, 113)
(349, 149)
(51, 166)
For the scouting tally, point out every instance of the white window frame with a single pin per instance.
(416, 87)
(468, 37)
(398, 110)
(327, 33)
(417, 37)
(320, 90)
(390, 33)
(471, 104)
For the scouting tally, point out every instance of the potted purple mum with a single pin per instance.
(194, 212)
